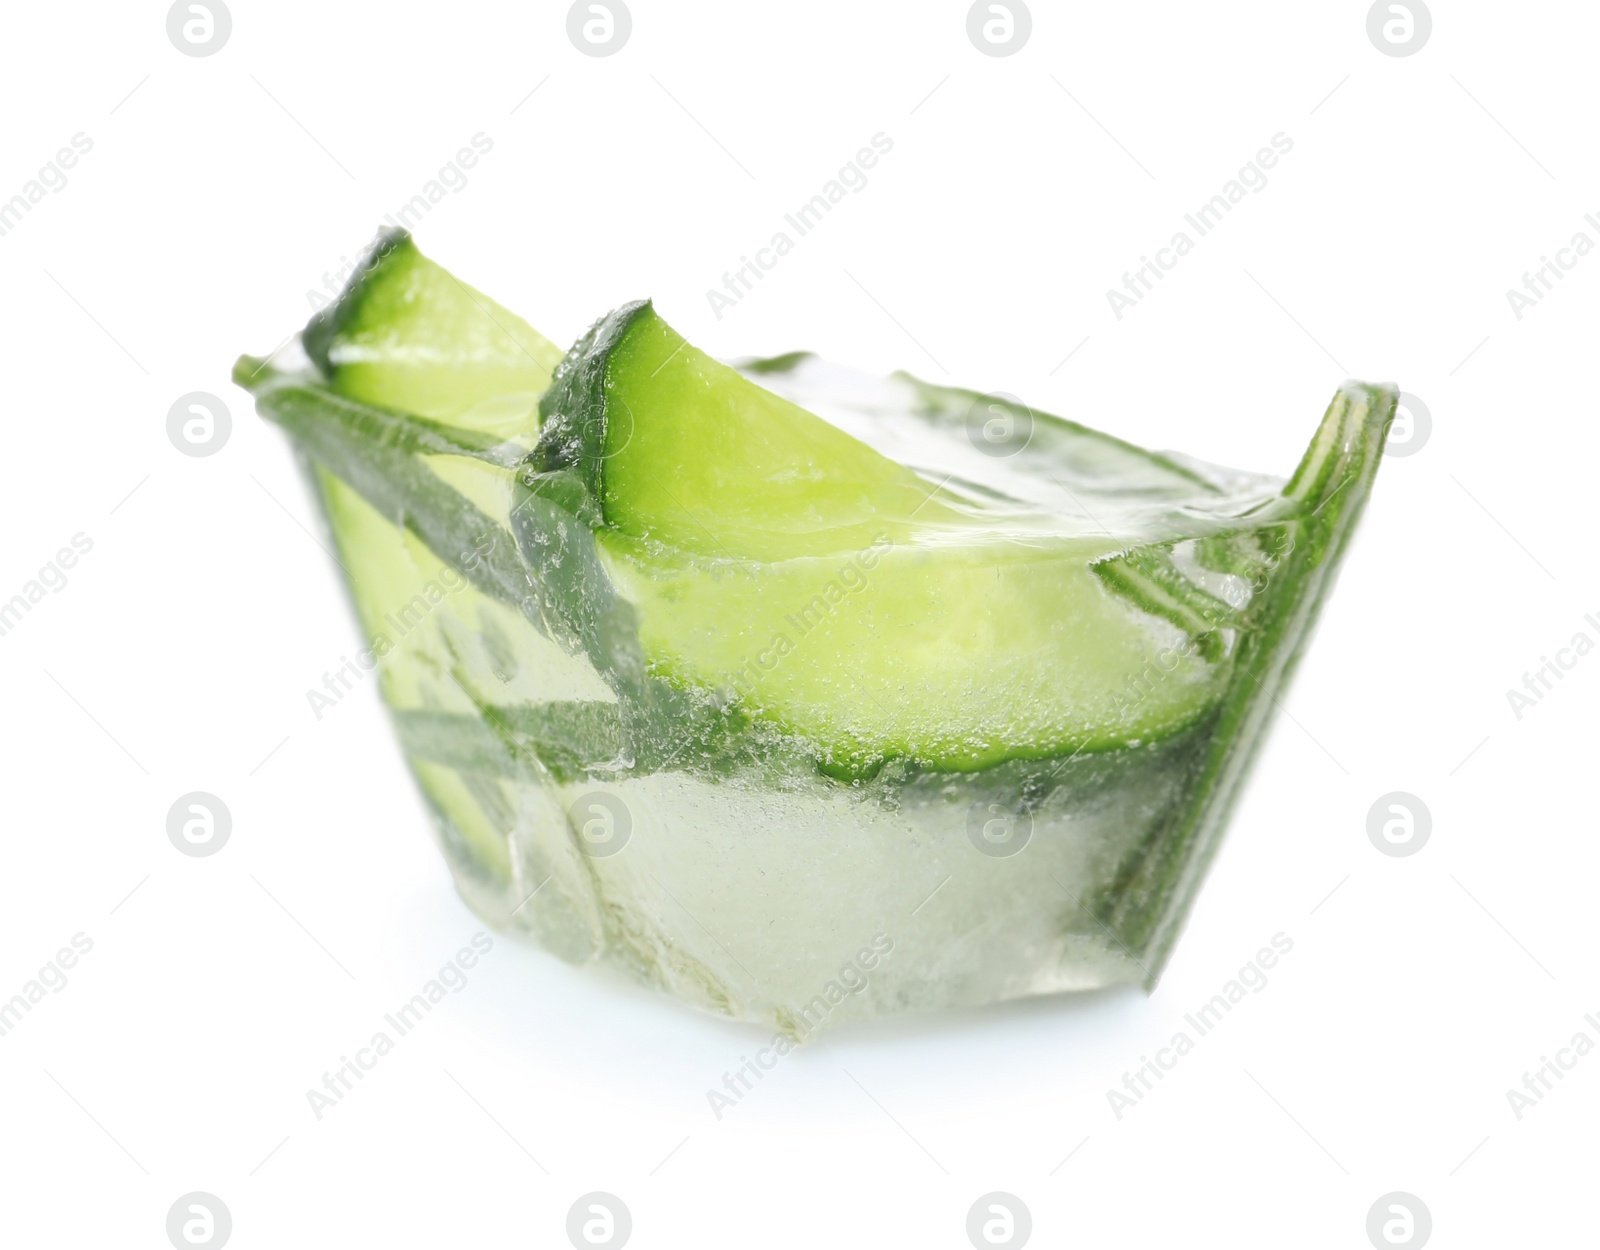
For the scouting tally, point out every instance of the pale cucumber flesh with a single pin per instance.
(408, 334)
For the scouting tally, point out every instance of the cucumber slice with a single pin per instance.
(409, 335)
(1296, 563)
(777, 560)
(679, 448)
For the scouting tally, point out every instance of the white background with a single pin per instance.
(177, 657)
